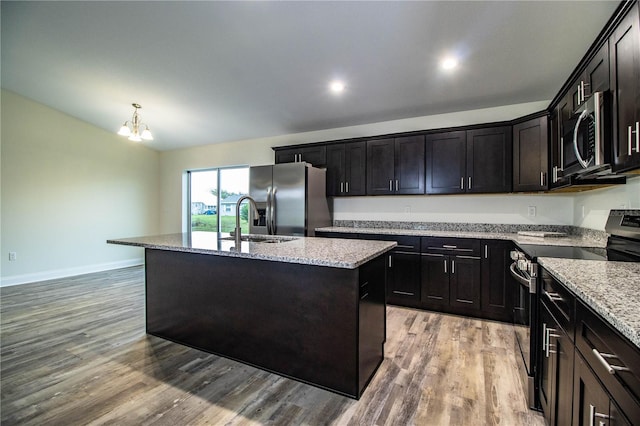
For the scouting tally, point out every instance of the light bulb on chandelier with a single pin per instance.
(135, 129)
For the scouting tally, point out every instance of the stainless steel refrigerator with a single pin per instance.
(291, 199)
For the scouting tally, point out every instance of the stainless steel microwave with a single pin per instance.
(584, 139)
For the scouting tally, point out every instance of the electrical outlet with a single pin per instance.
(12, 256)
(531, 211)
(583, 213)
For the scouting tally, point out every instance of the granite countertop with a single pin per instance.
(331, 252)
(612, 289)
(568, 240)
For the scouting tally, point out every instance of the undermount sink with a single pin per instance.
(262, 238)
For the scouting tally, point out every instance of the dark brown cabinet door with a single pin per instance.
(314, 155)
(624, 46)
(530, 155)
(335, 169)
(446, 162)
(403, 284)
(497, 284)
(355, 168)
(590, 400)
(561, 116)
(435, 281)
(409, 165)
(556, 370)
(489, 160)
(380, 167)
(464, 282)
(346, 169)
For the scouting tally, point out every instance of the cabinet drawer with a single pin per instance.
(560, 301)
(405, 243)
(451, 246)
(614, 359)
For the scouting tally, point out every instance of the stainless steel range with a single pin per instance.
(623, 245)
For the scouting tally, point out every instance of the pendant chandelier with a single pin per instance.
(134, 128)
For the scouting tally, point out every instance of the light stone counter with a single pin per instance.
(569, 240)
(331, 252)
(612, 289)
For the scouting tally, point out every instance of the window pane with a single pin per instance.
(204, 200)
(234, 183)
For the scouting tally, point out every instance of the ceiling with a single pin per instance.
(211, 72)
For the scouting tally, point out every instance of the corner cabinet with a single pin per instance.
(472, 161)
(395, 166)
(624, 46)
(530, 155)
(346, 167)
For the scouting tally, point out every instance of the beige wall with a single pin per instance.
(67, 186)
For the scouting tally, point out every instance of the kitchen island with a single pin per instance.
(312, 309)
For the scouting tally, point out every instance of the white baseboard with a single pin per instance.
(68, 272)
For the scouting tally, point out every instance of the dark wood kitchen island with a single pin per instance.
(312, 309)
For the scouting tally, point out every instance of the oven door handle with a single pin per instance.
(520, 278)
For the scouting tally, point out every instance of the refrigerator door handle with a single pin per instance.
(272, 213)
(267, 212)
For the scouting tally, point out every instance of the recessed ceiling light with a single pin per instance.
(449, 63)
(336, 86)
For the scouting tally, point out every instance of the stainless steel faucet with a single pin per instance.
(252, 203)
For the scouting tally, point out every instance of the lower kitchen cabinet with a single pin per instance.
(592, 405)
(451, 275)
(556, 352)
(497, 285)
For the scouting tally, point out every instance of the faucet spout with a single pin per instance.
(252, 204)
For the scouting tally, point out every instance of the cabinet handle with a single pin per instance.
(542, 178)
(547, 338)
(389, 261)
(404, 293)
(453, 266)
(462, 182)
(554, 297)
(449, 247)
(629, 139)
(445, 266)
(637, 132)
(341, 187)
(554, 174)
(390, 185)
(469, 186)
(611, 369)
(364, 296)
(346, 185)
(579, 100)
(396, 185)
(486, 251)
(593, 414)
(544, 337)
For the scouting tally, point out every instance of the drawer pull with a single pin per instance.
(404, 293)
(449, 247)
(364, 296)
(611, 369)
(554, 297)
(403, 246)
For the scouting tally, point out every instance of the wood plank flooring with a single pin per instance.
(74, 352)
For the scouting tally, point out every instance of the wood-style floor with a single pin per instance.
(74, 352)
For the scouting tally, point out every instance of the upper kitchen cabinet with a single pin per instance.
(557, 122)
(346, 166)
(594, 78)
(315, 155)
(395, 166)
(473, 161)
(446, 162)
(489, 160)
(530, 155)
(624, 45)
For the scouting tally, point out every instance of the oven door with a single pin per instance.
(523, 319)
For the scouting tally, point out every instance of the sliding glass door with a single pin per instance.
(213, 194)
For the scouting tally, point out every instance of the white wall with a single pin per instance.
(504, 208)
(597, 203)
(67, 187)
(258, 151)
